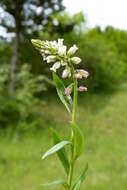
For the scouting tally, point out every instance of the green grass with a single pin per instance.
(103, 119)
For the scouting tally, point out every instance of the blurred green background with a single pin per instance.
(29, 105)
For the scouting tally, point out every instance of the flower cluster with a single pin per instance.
(56, 53)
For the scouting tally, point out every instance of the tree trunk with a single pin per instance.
(14, 61)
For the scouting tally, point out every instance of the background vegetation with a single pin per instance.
(29, 106)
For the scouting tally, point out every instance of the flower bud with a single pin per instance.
(60, 42)
(75, 60)
(47, 52)
(82, 89)
(82, 73)
(72, 50)
(78, 75)
(39, 44)
(66, 73)
(68, 90)
(55, 66)
(50, 58)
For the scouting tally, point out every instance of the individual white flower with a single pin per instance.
(62, 50)
(82, 89)
(55, 66)
(72, 50)
(75, 60)
(54, 44)
(81, 73)
(66, 73)
(50, 58)
(60, 42)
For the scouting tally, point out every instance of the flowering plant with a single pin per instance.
(56, 53)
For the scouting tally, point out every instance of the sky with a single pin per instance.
(101, 12)
(97, 12)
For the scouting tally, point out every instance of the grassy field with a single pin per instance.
(103, 118)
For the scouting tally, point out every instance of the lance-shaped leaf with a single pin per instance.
(55, 148)
(81, 178)
(66, 100)
(57, 182)
(78, 140)
(62, 152)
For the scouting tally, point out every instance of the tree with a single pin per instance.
(25, 17)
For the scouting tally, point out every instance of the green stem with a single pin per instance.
(70, 176)
(74, 101)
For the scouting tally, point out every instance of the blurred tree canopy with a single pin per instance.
(24, 18)
(28, 17)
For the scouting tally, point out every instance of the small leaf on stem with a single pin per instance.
(55, 148)
(57, 182)
(62, 152)
(81, 178)
(66, 100)
(78, 140)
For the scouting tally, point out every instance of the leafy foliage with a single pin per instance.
(81, 178)
(27, 16)
(55, 148)
(78, 140)
(57, 182)
(23, 106)
(62, 152)
(66, 100)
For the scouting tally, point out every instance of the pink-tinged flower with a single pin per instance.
(82, 73)
(68, 90)
(82, 89)
(66, 73)
(75, 60)
(72, 50)
(78, 75)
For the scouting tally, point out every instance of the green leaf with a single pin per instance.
(78, 140)
(81, 178)
(62, 152)
(66, 100)
(55, 148)
(57, 182)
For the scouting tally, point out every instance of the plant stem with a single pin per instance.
(74, 101)
(72, 137)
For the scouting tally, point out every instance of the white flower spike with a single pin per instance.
(55, 52)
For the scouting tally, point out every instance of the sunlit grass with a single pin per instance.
(104, 122)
